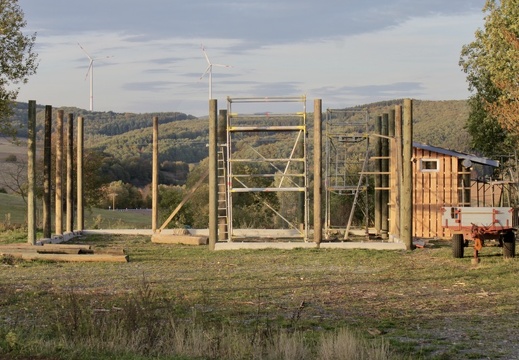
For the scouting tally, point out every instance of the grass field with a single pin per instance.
(424, 304)
(13, 212)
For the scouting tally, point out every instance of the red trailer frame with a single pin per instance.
(478, 224)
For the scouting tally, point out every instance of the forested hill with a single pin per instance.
(437, 123)
(97, 123)
(183, 137)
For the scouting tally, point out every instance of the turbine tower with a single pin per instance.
(90, 72)
(209, 70)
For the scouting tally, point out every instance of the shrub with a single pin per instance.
(11, 158)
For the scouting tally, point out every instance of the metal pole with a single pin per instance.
(318, 120)
(155, 176)
(92, 87)
(301, 200)
(47, 172)
(59, 174)
(31, 173)
(79, 165)
(407, 178)
(70, 181)
(213, 174)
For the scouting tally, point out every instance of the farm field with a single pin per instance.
(13, 211)
(424, 304)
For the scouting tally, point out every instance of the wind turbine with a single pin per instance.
(209, 70)
(91, 72)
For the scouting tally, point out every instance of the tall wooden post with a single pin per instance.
(222, 181)
(59, 175)
(391, 180)
(378, 176)
(79, 176)
(31, 174)
(47, 172)
(70, 181)
(398, 172)
(407, 177)
(213, 174)
(384, 193)
(155, 176)
(318, 172)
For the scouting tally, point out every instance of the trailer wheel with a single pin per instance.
(509, 245)
(458, 245)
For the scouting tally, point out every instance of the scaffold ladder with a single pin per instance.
(222, 195)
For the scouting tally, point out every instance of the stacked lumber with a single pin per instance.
(63, 252)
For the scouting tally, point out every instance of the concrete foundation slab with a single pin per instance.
(309, 245)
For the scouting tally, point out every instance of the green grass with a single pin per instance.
(425, 303)
(13, 210)
(118, 219)
(13, 213)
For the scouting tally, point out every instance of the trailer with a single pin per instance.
(479, 224)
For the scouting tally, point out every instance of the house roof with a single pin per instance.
(459, 155)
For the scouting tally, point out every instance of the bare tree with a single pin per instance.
(14, 177)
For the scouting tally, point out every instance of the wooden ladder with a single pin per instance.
(222, 196)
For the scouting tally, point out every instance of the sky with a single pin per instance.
(148, 54)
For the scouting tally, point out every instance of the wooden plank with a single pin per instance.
(74, 246)
(47, 249)
(440, 199)
(185, 199)
(447, 182)
(433, 200)
(418, 195)
(454, 177)
(67, 257)
(426, 201)
(43, 250)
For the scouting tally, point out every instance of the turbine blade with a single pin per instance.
(104, 57)
(206, 57)
(207, 70)
(221, 65)
(89, 68)
(84, 51)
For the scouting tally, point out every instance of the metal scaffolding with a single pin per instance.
(266, 164)
(345, 182)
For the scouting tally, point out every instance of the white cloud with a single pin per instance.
(415, 55)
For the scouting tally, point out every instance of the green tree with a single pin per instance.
(491, 63)
(169, 198)
(17, 59)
